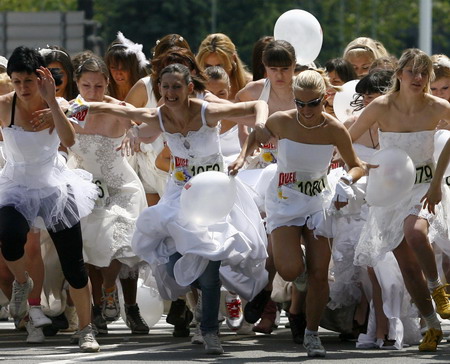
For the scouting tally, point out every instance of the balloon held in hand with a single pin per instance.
(392, 180)
(208, 197)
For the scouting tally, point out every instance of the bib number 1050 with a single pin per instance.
(200, 169)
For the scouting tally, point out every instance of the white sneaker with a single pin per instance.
(38, 318)
(197, 338)
(86, 341)
(246, 329)
(313, 346)
(234, 312)
(35, 334)
(18, 304)
(212, 343)
(4, 313)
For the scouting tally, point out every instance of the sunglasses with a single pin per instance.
(312, 103)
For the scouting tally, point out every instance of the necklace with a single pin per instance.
(311, 127)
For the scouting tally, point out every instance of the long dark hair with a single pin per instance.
(117, 55)
(185, 72)
(181, 56)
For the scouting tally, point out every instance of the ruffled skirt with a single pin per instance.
(238, 241)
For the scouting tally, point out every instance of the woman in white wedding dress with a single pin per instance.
(182, 253)
(300, 196)
(108, 230)
(407, 117)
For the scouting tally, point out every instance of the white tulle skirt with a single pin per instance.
(54, 196)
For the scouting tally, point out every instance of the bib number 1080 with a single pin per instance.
(200, 169)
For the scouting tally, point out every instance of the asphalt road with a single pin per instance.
(119, 346)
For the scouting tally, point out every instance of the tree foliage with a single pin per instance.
(245, 22)
(145, 21)
(41, 5)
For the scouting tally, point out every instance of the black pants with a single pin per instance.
(68, 243)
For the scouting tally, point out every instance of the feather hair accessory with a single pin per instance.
(131, 47)
(443, 62)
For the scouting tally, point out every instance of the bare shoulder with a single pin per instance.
(437, 102)
(251, 91)
(279, 121)
(332, 121)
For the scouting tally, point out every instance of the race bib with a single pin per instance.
(307, 187)
(268, 153)
(424, 174)
(184, 169)
(103, 192)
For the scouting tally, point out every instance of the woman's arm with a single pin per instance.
(434, 193)
(46, 86)
(252, 142)
(343, 143)
(216, 112)
(367, 118)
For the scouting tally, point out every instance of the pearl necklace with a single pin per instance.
(311, 127)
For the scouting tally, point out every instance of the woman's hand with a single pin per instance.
(262, 134)
(46, 84)
(234, 167)
(43, 119)
(432, 198)
(131, 142)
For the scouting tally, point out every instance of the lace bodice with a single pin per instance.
(418, 145)
(96, 154)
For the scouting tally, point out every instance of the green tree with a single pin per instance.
(145, 21)
(42, 5)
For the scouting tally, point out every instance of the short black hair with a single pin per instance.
(343, 68)
(24, 59)
(377, 81)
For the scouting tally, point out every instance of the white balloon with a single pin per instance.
(440, 138)
(392, 180)
(151, 305)
(208, 197)
(303, 31)
(342, 101)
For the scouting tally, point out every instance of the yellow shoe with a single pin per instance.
(431, 340)
(440, 297)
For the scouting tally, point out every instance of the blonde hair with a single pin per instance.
(365, 45)
(225, 49)
(315, 80)
(441, 66)
(420, 63)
